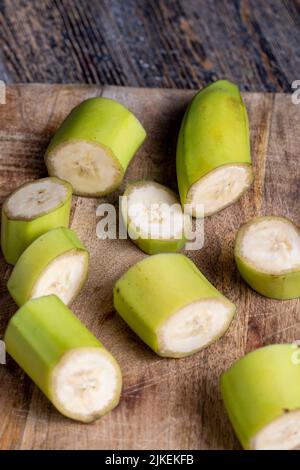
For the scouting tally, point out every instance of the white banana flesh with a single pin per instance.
(218, 189)
(88, 167)
(35, 199)
(272, 245)
(62, 277)
(154, 212)
(281, 434)
(194, 327)
(84, 384)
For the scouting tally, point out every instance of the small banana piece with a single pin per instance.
(33, 209)
(71, 367)
(154, 218)
(55, 263)
(261, 393)
(267, 254)
(213, 150)
(171, 306)
(94, 145)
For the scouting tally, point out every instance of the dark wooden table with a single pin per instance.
(151, 43)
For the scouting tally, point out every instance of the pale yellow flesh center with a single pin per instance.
(35, 199)
(62, 277)
(194, 326)
(271, 245)
(218, 189)
(84, 383)
(281, 434)
(88, 167)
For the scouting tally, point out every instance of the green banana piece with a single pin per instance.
(171, 306)
(213, 149)
(94, 145)
(55, 263)
(267, 254)
(261, 393)
(70, 366)
(33, 209)
(154, 218)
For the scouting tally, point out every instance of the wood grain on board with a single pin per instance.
(166, 403)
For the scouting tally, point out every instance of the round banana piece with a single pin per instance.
(31, 210)
(55, 263)
(267, 254)
(171, 306)
(71, 367)
(261, 393)
(94, 145)
(154, 218)
(213, 150)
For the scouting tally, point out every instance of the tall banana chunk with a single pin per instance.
(31, 210)
(55, 263)
(213, 149)
(171, 306)
(261, 393)
(154, 217)
(94, 145)
(267, 254)
(71, 367)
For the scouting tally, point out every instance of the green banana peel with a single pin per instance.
(17, 231)
(213, 150)
(261, 393)
(55, 263)
(94, 145)
(67, 362)
(281, 238)
(171, 306)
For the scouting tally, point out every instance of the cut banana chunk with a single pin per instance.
(171, 306)
(31, 210)
(261, 393)
(94, 146)
(73, 369)
(213, 151)
(154, 217)
(267, 253)
(55, 263)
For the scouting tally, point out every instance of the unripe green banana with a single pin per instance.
(171, 306)
(55, 263)
(71, 367)
(267, 254)
(213, 149)
(261, 393)
(33, 209)
(94, 145)
(154, 217)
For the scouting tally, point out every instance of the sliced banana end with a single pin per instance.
(36, 198)
(86, 384)
(153, 212)
(63, 277)
(281, 434)
(90, 168)
(271, 245)
(218, 189)
(194, 327)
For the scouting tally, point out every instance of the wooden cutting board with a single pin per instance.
(166, 403)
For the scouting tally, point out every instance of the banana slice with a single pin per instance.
(94, 146)
(267, 254)
(261, 393)
(33, 209)
(171, 306)
(55, 263)
(71, 367)
(154, 217)
(213, 150)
